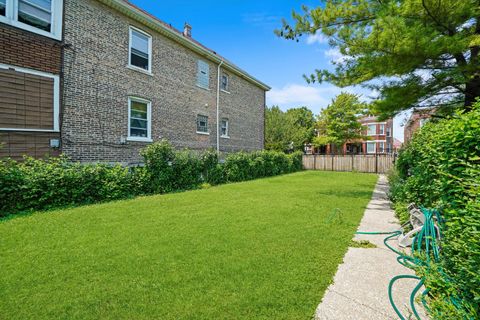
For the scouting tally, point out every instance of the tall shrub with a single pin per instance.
(440, 167)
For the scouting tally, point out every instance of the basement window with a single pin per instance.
(202, 124)
(139, 119)
(140, 50)
(39, 16)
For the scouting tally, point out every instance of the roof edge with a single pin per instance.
(154, 23)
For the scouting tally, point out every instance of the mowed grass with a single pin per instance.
(264, 249)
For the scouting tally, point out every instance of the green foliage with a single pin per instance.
(56, 182)
(244, 166)
(290, 130)
(440, 167)
(338, 123)
(413, 51)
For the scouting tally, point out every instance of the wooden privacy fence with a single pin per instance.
(380, 163)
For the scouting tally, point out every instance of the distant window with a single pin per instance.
(371, 147)
(224, 128)
(202, 124)
(39, 16)
(140, 49)
(372, 129)
(381, 147)
(203, 74)
(3, 7)
(381, 129)
(389, 132)
(224, 82)
(139, 119)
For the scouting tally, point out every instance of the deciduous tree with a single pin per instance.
(338, 123)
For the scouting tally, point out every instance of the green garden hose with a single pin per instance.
(425, 244)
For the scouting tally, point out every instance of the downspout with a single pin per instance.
(218, 107)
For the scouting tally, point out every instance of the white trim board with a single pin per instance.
(56, 97)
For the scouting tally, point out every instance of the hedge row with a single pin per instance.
(440, 168)
(56, 182)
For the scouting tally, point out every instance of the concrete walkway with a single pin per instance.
(360, 288)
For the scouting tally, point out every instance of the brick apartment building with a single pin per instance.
(111, 79)
(380, 140)
(417, 119)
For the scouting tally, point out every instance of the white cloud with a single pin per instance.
(335, 55)
(316, 38)
(315, 97)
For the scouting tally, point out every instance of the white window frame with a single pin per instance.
(381, 147)
(196, 125)
(56, 97)
(381, 129)
(207, 87)
(150, 57)
(149, 119)
(374, 147)
(368, 129)
(227, 89)
(11, 18)
(227, 135)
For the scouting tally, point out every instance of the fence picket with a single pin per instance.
(360, 163)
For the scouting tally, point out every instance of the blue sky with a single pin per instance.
(242, 31)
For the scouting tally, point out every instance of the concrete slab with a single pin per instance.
(360, 287)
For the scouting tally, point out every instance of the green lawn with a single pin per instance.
(265, 249)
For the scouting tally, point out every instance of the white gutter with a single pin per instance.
(218, 107)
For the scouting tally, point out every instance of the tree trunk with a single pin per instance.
(472, 91)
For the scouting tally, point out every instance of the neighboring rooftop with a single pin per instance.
(149, 20)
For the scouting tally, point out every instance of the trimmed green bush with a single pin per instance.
(440, 168)
(56, 182)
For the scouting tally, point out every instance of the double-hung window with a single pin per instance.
(381, 147)
(203, 74)
(139, 119)
(140, 50)
(224, 82)
(371, 147)
(381, 130)
(224, 128)
(371, 129)
(202, 124)
(39, 16)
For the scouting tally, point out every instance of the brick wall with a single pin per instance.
(29, 50)
(98, 83)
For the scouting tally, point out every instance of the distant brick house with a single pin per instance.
(124, 79)
(380, 140)
(417, 119)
